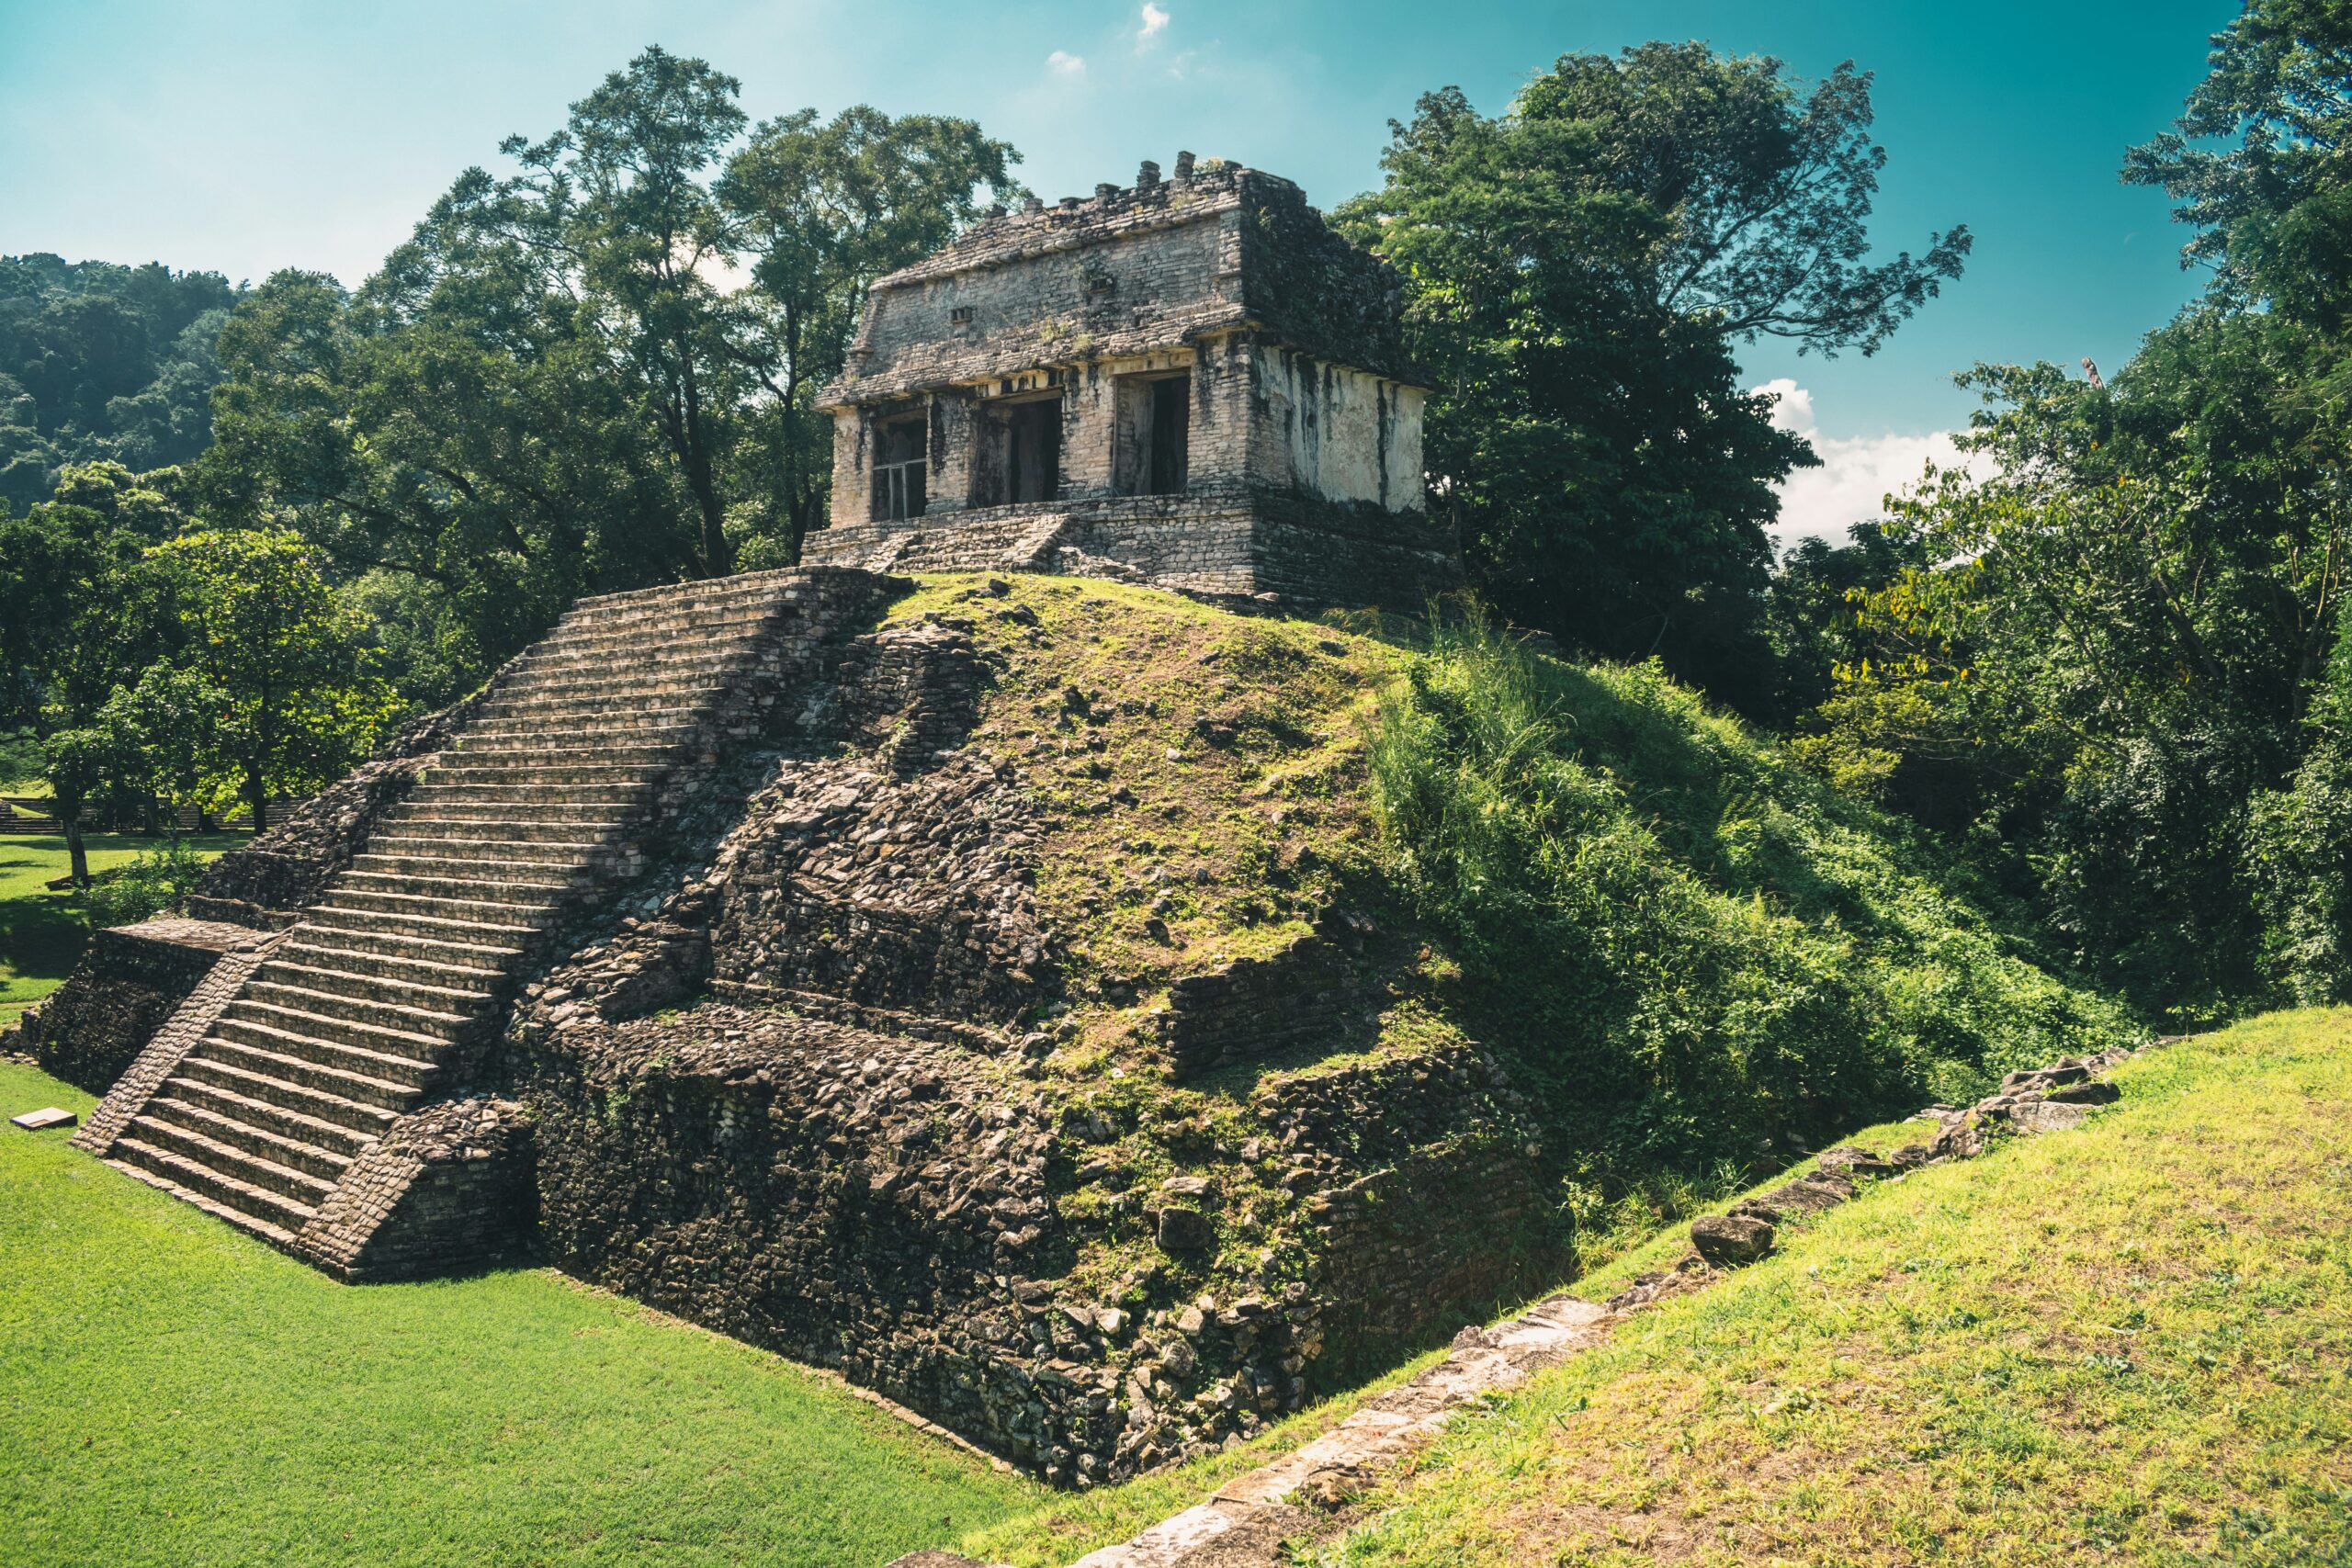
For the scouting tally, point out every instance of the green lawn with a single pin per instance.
(173, 1393)
(42, 933)
(2127, 1344)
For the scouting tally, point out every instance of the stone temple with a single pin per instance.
(1192, 382)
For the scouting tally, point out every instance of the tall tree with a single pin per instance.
(615, 208)
(81, 611)
(1579, 267)
(294, 698)
(822, 210)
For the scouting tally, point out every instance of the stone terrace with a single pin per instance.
(298, 1057)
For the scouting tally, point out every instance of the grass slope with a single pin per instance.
(2131, 1344)
(1686, 950)
(178, 1393)
(42, 933)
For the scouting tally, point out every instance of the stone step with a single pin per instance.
(550, 716)
(438, 859)
(680, 705)
(688, 657)
(667, 612)
(610, 734)
(311, 1157)
(288, 1064)
(468, 828)
(595, 684)
(272, 1214)
(322, 1138)
(414, 931)
(435, 1024)
(520, 920)
(344, 1029)
(534, 792)
(725, 626)
(480, 975)
(466, 769)
(559, 861)
(597, 814)
(784, 584)
(366, 1118)
(226, 1159)
(478, 888)
(396, 990)
(651, 756)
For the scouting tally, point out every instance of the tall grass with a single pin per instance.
(1696, 952)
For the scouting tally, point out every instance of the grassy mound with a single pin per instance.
(1687, 952)
(2123, 1344)
(177, 1392)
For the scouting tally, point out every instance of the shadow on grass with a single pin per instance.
(42, 933)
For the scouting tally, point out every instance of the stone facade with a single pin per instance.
(1192, 381)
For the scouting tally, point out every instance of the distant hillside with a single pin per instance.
(100, 362)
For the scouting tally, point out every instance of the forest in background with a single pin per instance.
(2110, 667)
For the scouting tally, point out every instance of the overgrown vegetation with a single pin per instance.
(1696, 949)
(155, 882)
(178, 1392)
(1690, 951)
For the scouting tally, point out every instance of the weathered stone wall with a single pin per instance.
(93, 1027)
(853, 1199)
(1325, 430)
(447, 1189)
(1290, 547)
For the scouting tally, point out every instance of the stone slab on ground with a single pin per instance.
(47, 1117)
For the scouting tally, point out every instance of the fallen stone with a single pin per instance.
(1910, 1156)
(2085, 1094)
(1726, 1239)
(1847, 1160)
(1960, 1140)
(2065, 1072)
(47, 1117)
(1808, 1196)
(1185, 1230)
(2047, 1116)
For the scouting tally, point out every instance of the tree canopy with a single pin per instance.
(1579, 269)
(101, 363)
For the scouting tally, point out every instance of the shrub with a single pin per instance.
(160, 879)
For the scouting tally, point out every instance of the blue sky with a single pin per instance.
(251, 135)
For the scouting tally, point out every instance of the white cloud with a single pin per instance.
(1062, 63)
(1154, 21)
(1857, 472)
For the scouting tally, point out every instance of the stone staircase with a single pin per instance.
(365, 1010)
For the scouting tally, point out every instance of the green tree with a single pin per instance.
(102, 363)
(294, 697)
(1579, 267)
(821, 210)
(161, 736)
(2273, 212)
(81, 611)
